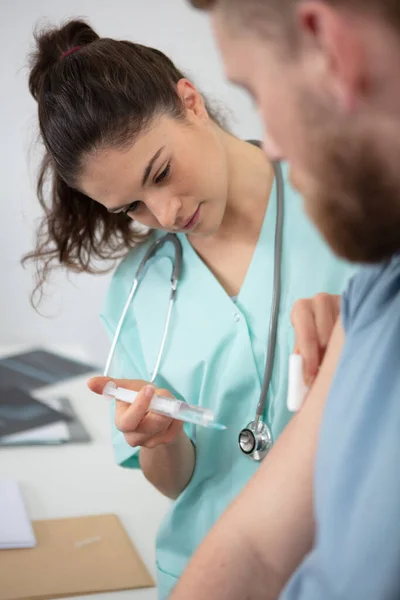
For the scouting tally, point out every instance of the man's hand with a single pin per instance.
(167, 456)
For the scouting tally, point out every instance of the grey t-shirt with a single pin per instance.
(357, 481)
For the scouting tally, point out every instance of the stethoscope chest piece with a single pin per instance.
(255, 440)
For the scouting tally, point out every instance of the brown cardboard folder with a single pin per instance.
(85, 555)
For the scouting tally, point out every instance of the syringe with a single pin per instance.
(169, 407)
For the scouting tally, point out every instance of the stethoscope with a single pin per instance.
(255, 440)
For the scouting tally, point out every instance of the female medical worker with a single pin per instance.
(128, 137)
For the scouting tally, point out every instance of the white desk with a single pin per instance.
(74, 480)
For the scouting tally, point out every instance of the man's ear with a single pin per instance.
(338, 48)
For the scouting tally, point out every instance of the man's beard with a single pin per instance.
(354, 199)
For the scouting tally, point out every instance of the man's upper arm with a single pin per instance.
(277, 505)
(264, 535)
(357, 548)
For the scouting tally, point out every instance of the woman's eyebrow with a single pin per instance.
(146, 175)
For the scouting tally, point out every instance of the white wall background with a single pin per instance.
(73, 303)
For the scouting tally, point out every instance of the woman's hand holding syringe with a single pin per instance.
(167, 455)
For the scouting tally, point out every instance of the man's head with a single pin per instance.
(326, 76)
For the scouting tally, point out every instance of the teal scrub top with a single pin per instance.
(215, 357)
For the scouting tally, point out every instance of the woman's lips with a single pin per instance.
(193, 220)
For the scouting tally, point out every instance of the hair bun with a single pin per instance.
(52, 44)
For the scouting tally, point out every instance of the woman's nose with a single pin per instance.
(166, 210)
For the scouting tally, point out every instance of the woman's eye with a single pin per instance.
(132, 207)
(163, 175)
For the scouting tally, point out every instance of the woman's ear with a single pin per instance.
(191, 98)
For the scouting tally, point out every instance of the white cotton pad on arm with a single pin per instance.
(297, 389)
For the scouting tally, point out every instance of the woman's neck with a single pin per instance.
(251, 177)
(229, 251)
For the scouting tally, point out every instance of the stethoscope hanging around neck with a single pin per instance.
(255, 440)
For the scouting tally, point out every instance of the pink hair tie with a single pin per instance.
(70, 51)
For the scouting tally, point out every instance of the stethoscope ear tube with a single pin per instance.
(175, 277)
(154, 249)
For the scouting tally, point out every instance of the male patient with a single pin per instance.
(326, 75)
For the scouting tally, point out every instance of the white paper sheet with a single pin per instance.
(15, 526)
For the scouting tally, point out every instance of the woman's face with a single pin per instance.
(173, 178)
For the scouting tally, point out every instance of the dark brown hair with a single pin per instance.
(102, 93)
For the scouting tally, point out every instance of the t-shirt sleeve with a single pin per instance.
(357, 499)
(364, 289)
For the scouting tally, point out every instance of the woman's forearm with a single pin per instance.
(169, 467)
